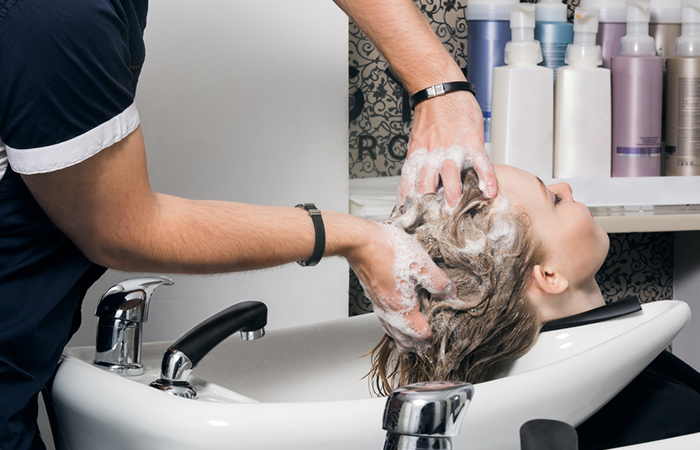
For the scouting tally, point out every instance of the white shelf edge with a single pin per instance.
(637, 191)
(374, 198)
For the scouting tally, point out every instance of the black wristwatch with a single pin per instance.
(320, 231)
(440, 89)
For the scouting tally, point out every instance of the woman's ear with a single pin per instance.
(549, 280)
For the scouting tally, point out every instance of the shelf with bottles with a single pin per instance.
(640, 204)
(620, 205)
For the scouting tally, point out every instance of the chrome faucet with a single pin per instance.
(183, 356)
(425, 415)
(121, 312)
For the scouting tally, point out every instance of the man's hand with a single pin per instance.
(447, 133)
(391, 274)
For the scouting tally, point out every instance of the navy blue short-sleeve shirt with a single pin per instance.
(68, 75)
(68, 79)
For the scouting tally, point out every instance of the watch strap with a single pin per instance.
(320, 234)
(441, 89)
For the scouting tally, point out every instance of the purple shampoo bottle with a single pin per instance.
(637, 86)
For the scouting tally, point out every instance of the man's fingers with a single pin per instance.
(406, 329)
(487, 178)
(435, 281)
(451, 182)
(406, 185)
(419, 328)
(427, 179)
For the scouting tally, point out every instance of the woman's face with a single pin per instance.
(572, 238)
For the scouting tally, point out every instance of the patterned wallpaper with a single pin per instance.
(380, 121)
(380, 118)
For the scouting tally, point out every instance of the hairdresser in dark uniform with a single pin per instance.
(73, 175)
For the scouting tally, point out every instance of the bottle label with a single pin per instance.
(487, 126)
(688, 145)
(638, 151)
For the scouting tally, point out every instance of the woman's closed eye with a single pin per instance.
(557, 199)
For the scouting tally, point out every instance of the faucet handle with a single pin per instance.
(129, 300)
(426, 415)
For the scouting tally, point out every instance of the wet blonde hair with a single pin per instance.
(489, 253)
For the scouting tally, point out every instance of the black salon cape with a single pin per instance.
(662, 402)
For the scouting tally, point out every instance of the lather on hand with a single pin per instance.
(447, 133)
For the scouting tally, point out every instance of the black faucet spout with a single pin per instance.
(250, 318)
(200, 340)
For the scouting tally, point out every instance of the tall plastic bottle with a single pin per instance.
(523, 100)
(665, 28)
(553, 32)
(637, 82)
(683, 97)
(582, 112)
(612, 24)
(665, 25)
(488, 23)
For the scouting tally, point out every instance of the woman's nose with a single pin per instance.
(563, 189)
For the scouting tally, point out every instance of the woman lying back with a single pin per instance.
(528, 256)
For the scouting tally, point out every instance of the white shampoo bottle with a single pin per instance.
(522, 114)
(582, 108)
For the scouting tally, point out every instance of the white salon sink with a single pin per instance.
(303, 388)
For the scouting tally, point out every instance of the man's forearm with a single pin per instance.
(215, 237)
(106, 207)
(403, 35)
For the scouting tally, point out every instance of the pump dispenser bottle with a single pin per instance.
(611, 25)
(665, 28)
(523, 100)
(582, 123)
(488, 22)
(553, 32)
(637, 82)
(683, 97)
(665, 25)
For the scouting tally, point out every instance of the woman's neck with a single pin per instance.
(574, 300)
(583, 298)
(589, 296)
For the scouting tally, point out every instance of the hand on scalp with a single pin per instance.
(394, 291)
(447, 134)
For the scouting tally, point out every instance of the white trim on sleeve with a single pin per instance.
(3, 159)
(76, 150)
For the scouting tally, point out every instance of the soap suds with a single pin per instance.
(483, 246)
(410, 271)
(422, 160)
(435, 218)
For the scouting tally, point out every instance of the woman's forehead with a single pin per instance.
(520, 186)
